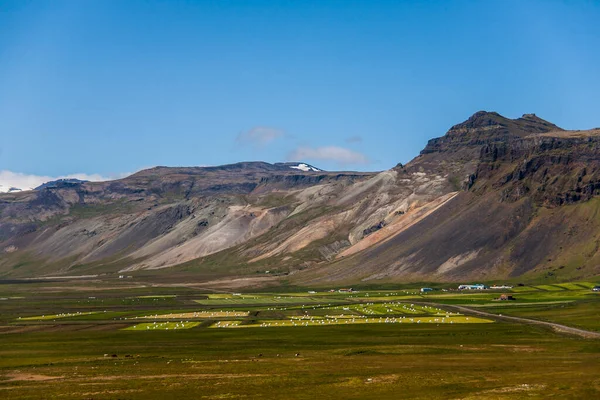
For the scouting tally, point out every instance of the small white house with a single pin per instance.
(477, 286)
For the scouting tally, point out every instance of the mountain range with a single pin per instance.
(11, 189)
(492, 199)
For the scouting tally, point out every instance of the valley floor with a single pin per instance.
(107, 342)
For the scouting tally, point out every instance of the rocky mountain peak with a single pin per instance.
(534, 124)
(481, 119)
(479, 129)
(485, 121)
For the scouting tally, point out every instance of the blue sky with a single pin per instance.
(110, 87)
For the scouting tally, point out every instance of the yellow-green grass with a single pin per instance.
(570, 286)
(94, 358)
(583, 314)
(350, 320)
(162, 326)
(588, 285)
(57, 316)
(361, 361)
(391, 308)
(226, 324)
(198, 314)
(407, 297)
(504, 304)
(370, 294)
(518, 289)
(557, 287)
(229, 296)
(550, 288)
(261, 299)
(530, 296)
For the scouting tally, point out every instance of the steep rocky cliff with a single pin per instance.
(527, 209)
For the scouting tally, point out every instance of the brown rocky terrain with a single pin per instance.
(494, 198)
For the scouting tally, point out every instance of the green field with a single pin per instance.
(162, 326)
(57, 316)
(150, 343)
(225, 300)
(349, 320)
(576, 314)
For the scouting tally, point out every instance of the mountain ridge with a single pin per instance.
(427, 220)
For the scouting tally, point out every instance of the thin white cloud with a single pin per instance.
(336, 154)
(9, 179)
(354, 139)
(259, 136)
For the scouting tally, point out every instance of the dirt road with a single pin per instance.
(556, 327)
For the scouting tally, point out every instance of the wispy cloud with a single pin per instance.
(354, 139)
(259, 136)
(336, 154)
(22, 181)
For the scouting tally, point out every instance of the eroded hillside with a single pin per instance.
(529, 209)
(493, 198)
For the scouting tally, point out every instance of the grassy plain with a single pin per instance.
(113, 343)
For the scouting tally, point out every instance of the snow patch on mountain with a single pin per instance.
(305, 167)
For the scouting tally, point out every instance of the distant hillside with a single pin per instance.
(60, 182)
(9, 189)
(494, 198)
